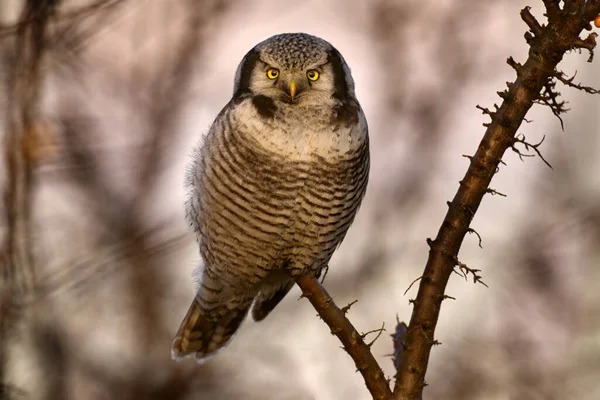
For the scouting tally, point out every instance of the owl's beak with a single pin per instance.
(293, 89)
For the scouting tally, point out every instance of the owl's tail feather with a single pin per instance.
(203, 333)
(266, 302)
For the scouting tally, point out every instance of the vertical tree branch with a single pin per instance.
(21, 146)
(547, 48)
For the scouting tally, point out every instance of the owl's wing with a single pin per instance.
(195, 170)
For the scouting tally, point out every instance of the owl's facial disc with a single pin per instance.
(321, 76)
(293, 85)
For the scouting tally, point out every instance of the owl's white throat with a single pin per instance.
(303, 132)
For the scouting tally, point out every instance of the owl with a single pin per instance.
(274, 186)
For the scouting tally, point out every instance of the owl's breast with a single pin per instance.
(303, 133)
(268, 192)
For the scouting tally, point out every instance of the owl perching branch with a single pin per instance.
(353, 342)
(535, 83)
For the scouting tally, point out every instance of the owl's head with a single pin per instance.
(294, 68)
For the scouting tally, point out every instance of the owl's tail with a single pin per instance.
(203, 333)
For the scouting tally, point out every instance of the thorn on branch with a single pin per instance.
(517, 67)
(464, 271)
(494, 192)
(569, 82)
(528, 146)
(486, 111)
(302, 296)
(379, 332)
(449, 297)
(549, 97)
(412, 283)
(589, 43)
(345, 309)
(505, 95)
(471, 230)
(531, 22)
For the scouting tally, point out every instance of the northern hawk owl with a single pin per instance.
(274, 186)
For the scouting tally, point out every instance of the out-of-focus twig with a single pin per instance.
(353, 341)
(548, 44)
(39, 15)
(21, 147)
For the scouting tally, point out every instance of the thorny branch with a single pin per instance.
(353, 341)
(535, 83)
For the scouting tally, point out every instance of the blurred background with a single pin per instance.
(93, 210)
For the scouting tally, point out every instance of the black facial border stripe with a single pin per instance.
(340, 84)
(250, 60)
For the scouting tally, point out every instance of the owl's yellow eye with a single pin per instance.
(312, 75)
(272, 73)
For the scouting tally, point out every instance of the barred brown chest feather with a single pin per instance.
(265, 200)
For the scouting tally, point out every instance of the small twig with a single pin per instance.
(466, 270)
(471, 230)
(346, 308)
(494, 192)
(411, 284)
(485, 111)
(569, 82)
(535, 147)
(531, 22)
(379, 332)
(353, 341)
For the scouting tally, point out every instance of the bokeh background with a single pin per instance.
(129, 88)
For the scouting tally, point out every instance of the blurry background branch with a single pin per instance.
(23, 133)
